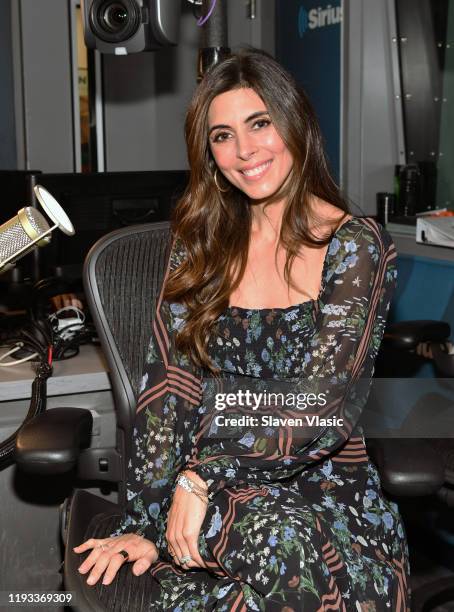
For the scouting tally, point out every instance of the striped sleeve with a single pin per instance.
(161, 435)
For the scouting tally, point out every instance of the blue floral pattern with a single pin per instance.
(309, 529)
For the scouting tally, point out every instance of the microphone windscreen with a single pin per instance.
(20, 231)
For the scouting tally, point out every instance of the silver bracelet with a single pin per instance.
(189, 486)
(203, 498)
(195, 486)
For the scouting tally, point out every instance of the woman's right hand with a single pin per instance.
(105, 556)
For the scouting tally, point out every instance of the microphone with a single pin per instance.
(214, 36)
(29, 228)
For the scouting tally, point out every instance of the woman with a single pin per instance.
(269, 279)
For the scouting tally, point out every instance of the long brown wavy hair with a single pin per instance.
(214, 227)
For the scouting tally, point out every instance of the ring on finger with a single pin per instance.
(185, 559)
(124, 554)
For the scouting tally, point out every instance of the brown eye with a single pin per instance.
(265, 121)
(217, 139)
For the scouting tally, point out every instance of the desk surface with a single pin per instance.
(85, 373)
(407, 245)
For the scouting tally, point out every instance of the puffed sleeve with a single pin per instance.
(358, 283)
(161, 434)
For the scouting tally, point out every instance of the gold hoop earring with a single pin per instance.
(216, 182)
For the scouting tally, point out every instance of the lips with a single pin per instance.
(256, 171)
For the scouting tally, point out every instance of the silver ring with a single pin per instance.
(185, 559)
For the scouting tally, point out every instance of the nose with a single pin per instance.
(246, 145)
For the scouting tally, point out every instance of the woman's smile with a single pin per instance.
(256, 173)
(245, 144)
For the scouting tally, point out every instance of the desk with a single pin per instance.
(30, 548)
(407, 245)
(82, 374)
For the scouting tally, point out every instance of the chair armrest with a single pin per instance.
(407, 466)
(443, 360)
(50, 443)
(405, 335)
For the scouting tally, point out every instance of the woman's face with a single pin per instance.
(245, 144)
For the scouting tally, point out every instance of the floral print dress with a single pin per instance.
(297, 520)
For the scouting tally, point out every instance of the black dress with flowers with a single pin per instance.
(290, 527)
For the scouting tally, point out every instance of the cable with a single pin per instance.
(16, 361)
(61, 323)
(26, 341)
(47, 339)
(203, 20)
(196, 8)
(46, 345)
(37, 406)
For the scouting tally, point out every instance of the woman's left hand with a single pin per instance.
(186, 515)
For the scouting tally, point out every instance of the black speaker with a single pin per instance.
(130, 26)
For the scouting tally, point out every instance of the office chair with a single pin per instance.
(395, 360)
(122, 276)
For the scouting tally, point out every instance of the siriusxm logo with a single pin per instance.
(318, 18)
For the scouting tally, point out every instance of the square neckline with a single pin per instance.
(300, 304)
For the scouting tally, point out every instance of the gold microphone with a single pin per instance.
(29, 228)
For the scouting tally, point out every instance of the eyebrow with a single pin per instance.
(253, 116)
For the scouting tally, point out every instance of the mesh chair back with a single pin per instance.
(123, 274)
